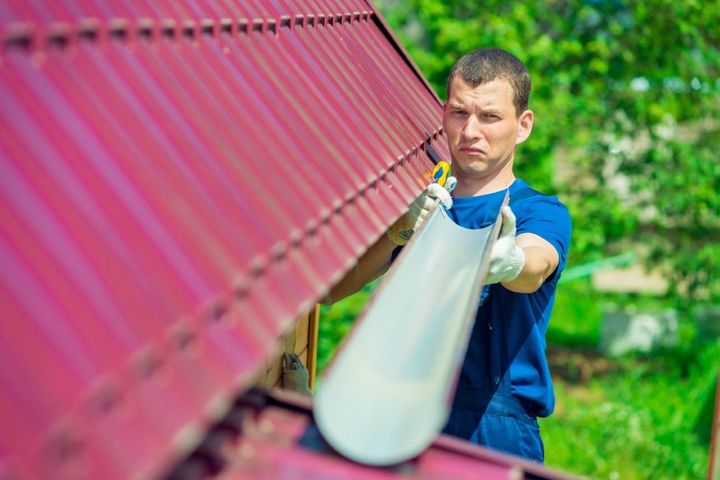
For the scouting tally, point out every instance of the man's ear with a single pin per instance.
(525, 124)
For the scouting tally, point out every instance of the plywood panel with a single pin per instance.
(300, 339)
(714, 467)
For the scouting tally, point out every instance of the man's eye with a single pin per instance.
(459, 112)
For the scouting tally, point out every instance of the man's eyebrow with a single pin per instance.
(494, 110)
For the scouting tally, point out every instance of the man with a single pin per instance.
(505, 382)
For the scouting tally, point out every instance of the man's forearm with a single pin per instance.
(541, 260)
(376, 260)
(533, 273)
(371, 265)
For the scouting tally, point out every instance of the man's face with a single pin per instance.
(483, 129)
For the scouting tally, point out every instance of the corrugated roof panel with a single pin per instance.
(279, 440)
(417, 105)
(180, 180)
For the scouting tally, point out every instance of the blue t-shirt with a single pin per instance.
(508, 337)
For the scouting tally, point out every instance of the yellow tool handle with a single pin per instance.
(441, 172)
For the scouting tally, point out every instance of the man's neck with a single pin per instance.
(473, 187)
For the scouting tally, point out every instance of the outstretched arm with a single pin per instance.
(377, 259)
(370, 266)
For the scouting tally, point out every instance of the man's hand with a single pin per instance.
(506, 259)
(402, 230)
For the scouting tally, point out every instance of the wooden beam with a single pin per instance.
(714, 466)
(313, 327)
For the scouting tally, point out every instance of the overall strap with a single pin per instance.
(522, 194)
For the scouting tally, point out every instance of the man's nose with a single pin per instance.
(471, 130)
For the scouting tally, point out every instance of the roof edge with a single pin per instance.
(390, 35)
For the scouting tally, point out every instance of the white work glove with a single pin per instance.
(506, 259)
(402, 230)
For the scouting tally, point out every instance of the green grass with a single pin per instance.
(634, 423)
(637, 417)
(642, 416)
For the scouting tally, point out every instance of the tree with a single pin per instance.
(626, 96)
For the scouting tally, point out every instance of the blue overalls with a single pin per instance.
(497, 420)
(508, 332)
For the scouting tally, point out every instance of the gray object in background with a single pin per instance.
(624, 332)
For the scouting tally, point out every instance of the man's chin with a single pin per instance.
(472, 168)
(472, 160)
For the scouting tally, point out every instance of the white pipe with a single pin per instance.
(387, 393)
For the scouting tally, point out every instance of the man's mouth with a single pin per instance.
(472, 150)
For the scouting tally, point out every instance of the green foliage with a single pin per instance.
(645, 419)
(336, 322)
(627, 102)
(638, 417)
(611, 429)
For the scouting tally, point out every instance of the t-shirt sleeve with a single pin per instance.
(549, 219)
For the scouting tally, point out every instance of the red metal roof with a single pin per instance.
(271, 437)
(179, 180)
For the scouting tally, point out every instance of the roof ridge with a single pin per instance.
(33, 36)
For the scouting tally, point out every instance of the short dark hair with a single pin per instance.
(485, 65)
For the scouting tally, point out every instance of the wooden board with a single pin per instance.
(714, 467)
(301, 339)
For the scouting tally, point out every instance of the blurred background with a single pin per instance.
(626, 98)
